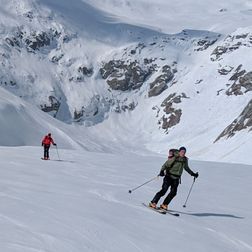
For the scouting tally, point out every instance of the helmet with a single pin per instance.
(182, 148)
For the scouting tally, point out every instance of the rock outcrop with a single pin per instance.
(32, 40)
(160, 83)
(242, 82)
(232, 43)
(172, 114)
(125, 76)
(53, 106)
(243, 121)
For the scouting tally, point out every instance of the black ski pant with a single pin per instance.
(46, 150)
(167, 182)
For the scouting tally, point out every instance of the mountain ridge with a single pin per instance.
(160, 85)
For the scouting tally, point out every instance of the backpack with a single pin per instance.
(47, 140)
(172, 153)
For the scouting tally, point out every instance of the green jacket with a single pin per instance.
(175, 166)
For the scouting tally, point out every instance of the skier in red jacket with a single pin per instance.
(46, 142)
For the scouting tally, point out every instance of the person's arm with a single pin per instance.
(42, 143)
(186, 167)
(53, 142)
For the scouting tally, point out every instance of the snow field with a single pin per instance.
(81, 203)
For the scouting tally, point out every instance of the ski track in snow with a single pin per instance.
(56, 206)
(232, 240)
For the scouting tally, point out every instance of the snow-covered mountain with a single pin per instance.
(140, 76)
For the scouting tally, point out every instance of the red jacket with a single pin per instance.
(47, 140)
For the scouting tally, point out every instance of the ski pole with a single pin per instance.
(130, 191)
(189, 192)
(57, 152)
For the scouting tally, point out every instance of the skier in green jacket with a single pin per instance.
(172, 170)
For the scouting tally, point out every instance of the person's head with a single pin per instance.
(171, 152)
(182, 151)
(49, 134)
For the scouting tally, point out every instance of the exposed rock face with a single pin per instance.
(94, 112)
(238, 72)
(242, 82)
(33, 40)
(57, 58)
(86, 71)
(98, 107)
(246, 81)
(243, 121)
(38, 40)
(9, 83)
(53, 107)
(225, 70)
(124, 77)
(218, 51)
(82, 73)
(124, 107)
(232, 43)
(160, 83)
(203, 44)
(172, 115)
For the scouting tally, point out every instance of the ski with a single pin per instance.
(158, 210)
(162, 211)
(59, 160)
(172, 213)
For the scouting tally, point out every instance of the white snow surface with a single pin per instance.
(81, 203)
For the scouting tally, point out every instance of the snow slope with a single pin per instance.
(93, 23)
(81, 203)
(23, 124)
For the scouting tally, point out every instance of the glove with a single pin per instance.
(161, 174)
(42, 144)
(195, 175)
(55, 144)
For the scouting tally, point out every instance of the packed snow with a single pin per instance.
(79, 201)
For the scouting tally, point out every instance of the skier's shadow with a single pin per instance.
(61, 160)
(212, 215)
